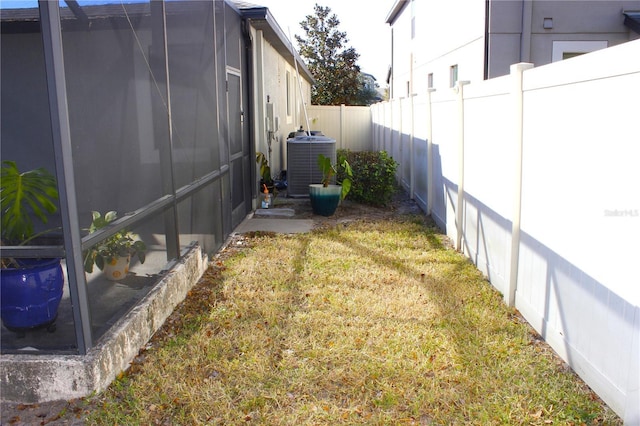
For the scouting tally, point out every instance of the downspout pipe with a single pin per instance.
(525, 35)
(487, 9)
(304, 106)
(248, 113)
(390, 79)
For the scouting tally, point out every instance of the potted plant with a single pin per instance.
(113, 255)
(325, 196)
(265, 173)
(30, 289)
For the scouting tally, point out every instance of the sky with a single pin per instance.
(362, 20)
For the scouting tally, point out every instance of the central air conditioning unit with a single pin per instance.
(302, 162)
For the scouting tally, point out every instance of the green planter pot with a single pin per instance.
(324, 200)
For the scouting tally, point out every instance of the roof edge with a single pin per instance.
(395, 11)
(276, 36)
(632, 20)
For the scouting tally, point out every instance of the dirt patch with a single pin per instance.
(348, 210)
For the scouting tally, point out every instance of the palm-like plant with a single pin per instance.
(24, 195)
(329, 170)
(265, 170)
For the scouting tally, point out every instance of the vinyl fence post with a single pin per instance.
(342, 123)
(412, 154)
(460, 201)
(429, 153)
(632, 408)
(517, 72)
(399, 143)
(391, 123)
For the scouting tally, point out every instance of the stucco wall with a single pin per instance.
(276, 83)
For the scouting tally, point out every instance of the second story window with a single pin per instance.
(568, 49)
(453, 75)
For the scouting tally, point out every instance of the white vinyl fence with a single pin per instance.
(536, 178)
(349, 126)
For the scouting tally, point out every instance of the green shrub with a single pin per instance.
(374, 176)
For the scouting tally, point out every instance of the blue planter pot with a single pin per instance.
(324, 200)
(30, 296)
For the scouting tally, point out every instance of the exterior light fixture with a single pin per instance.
(547, 23)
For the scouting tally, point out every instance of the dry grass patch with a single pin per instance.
(376, 322)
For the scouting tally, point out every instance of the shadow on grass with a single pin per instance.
(491, 348)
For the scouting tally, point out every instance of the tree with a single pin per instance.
(332, 64)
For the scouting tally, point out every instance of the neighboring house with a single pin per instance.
(368, 81)
(437, 43)
(154, 110)
(370, 85)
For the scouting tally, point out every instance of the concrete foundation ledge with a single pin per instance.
(40, 378)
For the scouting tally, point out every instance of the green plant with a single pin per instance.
(375, 181)
(265, 170)
(121, 244)
(24, 195)
(329, 170)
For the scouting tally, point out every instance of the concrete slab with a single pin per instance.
(281, 226)
(275, 212)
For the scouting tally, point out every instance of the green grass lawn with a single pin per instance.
(374, 322)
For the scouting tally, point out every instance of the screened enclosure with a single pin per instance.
(135, 107)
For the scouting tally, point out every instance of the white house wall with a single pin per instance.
(401, 57)
(459, 34)
(271, 70)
